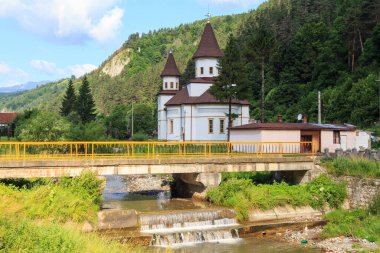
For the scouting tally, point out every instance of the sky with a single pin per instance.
(46, 40)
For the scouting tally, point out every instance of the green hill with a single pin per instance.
(327, 46)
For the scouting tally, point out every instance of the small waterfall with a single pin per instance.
(188, 227)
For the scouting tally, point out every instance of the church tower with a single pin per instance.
(207, 55)
(170, 87)
(170, 75)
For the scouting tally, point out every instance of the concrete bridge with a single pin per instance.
(176, 165)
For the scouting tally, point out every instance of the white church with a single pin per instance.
(192, 113)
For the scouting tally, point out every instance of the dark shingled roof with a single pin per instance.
(208, 46)
(294, 126)
(7, 117)
(170, 68)
(202, 80)
(182, 97)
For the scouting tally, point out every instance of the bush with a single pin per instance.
(25, 236)
(242, 195)
(255, 177)
(358, 223)
(139, 137)
(343, 166)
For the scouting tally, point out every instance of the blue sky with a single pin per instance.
(52, 39)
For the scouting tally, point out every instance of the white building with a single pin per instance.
(192, 113)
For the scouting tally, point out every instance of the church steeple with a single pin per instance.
(170, 75)
(207, 55)
(208, 46)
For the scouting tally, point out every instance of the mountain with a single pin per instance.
(300, 47)
(22, 87)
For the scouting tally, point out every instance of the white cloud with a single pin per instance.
(80, 70)
(4, 68)
(46, 67)
(10, 76)
(66, 20)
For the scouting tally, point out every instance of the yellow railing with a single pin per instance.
(129, 150)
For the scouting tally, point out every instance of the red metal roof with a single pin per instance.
(7, 117)
(170, 68)
(202, 80)
(208, 46)
(182, 97)
(294, 126)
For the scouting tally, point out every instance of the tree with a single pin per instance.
(260, 44)
(44, 126)
(231, 83)
(85, 105)
(69, 100)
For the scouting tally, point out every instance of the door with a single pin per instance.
(306, 147)
(343, 142)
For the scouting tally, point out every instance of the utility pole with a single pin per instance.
(319, 108)
(378, 122)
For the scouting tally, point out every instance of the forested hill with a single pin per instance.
(301, 46)
(133, 71)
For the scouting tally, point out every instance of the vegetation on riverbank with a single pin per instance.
(343, 166)
(29, 207)
(243, 194)
(361, 223)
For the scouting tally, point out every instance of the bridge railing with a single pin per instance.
(129, 150)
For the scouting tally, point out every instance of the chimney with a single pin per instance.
(304, 119)
(279, 118)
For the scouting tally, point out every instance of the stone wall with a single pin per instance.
(360, 191)
(353, 153)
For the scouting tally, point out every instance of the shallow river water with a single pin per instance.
(116, 197)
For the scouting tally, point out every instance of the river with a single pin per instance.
(197, 233)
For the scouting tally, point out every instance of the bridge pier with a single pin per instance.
(194, 185)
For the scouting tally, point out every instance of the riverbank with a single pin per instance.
(46, 215)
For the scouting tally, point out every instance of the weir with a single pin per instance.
(188, 227)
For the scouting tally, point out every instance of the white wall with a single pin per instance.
(197, 89)
(161, 116)
(327, 140)
(169, 79)
(246, 135)
(362, 140)
(206, 63)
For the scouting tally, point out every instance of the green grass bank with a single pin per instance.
(343, 166)
(243, 194)
(45, 215)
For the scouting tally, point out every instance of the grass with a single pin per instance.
(243, 194)
(361, 223)
(343, 166)
(46, 216)
(26, 236)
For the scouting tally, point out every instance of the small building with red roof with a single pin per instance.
(6, 123)
(320, 136)
(193, 113)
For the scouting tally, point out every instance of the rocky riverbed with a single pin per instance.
(310, 237)
(144, 183)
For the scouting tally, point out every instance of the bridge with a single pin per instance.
(57, 159)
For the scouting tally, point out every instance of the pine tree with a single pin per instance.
(85, 105)
(231, 83)
(69, 100)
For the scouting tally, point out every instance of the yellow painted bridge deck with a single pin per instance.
(56, 159)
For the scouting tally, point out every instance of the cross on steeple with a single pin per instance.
(208, 15)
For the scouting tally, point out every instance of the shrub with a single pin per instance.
(139, 137)
(343, 166)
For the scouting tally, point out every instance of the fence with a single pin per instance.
(130, 150)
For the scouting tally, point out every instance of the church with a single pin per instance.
(192, 113)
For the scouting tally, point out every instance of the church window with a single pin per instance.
(201, 70)
(176, 85)
(166, 85)
(211, 70)
(210, 126)
(171, 85)
(221, 126)
(171, 126)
